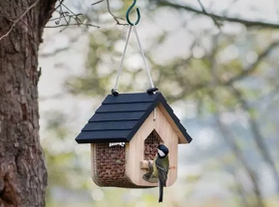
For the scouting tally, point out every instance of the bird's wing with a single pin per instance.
(162, 171)
(150, 177)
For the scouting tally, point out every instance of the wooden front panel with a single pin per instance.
(136, 148)
(170, 139)
(181, 138)
(136, 153)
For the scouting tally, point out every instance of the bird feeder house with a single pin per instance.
(124, 134)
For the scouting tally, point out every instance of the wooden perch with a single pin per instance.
(144, 165)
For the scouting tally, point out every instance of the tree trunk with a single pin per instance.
(23, 175)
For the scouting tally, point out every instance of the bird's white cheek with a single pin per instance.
(161, 153)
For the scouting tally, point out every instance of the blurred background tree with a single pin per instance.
(215, 62)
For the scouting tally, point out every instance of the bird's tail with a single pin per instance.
(161, 189)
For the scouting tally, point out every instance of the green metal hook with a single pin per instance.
(128, 13)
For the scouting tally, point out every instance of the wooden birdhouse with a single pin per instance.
(124, 134)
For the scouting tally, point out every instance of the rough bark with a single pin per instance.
(23, 175)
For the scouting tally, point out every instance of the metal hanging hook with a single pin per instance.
(128, 13)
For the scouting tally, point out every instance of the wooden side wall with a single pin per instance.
(136, 148)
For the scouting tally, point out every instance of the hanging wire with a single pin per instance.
(143, 57)
(122, 59)
(133, 26)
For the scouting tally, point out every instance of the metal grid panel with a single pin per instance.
(150, 145)
(109, 165)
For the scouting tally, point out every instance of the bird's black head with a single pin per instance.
(163, 151)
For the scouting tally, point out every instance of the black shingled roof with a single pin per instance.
(119, 117)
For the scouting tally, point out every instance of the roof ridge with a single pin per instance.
(124, 108)
(126, 102)
(113, 112)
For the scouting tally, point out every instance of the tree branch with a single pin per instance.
(59, 5)
(214, 19)
(110, 12)
(17, 20)
(245, 22)
(114, 17)
(255, 130)
(245, 72)
(253, 66)
(67, 15)
(228, 137)
(73, 24)
(97, 2)
(230, 140)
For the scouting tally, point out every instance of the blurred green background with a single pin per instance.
(217, 65)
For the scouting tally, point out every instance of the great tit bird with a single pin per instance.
(160, 169)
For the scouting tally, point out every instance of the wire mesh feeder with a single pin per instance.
(150, 145)
(109, 162)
